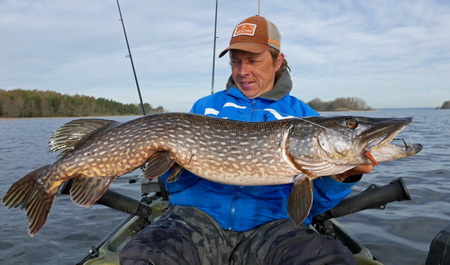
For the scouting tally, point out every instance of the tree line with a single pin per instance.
(339, 104)
(20, 103)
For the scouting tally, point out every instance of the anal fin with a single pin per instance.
(158, 164)
(85, 191)
(300, 199)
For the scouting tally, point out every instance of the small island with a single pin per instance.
(445, 105)
(339, 104)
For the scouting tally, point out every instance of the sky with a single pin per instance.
(392, 54)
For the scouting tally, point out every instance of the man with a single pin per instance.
(213, 223)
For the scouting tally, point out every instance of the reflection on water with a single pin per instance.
(400, 234)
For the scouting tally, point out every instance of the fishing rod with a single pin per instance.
(110, 197)
(131, 58)
(259, 7)
(214, 49)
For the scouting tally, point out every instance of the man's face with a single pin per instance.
(254, 73)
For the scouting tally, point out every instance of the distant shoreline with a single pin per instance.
(132, 115)
(62, 117)
(368, 110)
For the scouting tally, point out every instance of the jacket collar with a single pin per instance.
(282, 87)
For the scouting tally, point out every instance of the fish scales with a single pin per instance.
(213, 149)
(218, 151)
(96, 151)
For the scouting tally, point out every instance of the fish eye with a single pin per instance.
(351, 123)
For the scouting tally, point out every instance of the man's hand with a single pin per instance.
(358, 170)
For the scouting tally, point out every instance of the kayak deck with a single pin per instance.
(107, 252)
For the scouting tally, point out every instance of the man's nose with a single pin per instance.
(243, 68)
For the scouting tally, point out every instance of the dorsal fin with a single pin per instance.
(68, 136)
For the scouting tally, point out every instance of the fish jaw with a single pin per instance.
(384, 131)
(391, 152)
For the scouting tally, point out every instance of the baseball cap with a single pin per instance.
(255, 34)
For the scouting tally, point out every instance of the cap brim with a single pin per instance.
(247, 47)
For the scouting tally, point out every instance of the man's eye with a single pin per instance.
(253, 61)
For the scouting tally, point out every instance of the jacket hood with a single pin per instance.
(281, 88)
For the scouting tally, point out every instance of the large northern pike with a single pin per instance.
(95, 151)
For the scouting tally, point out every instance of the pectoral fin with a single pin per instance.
(158, 164)
(85, 191)
(175, 174)
(300, 199)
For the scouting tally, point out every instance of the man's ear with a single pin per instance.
(279, 61)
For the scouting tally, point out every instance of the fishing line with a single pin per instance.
(307, 121)
(406, 143)
(323, 127)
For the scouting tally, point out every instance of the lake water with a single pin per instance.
(400, 234)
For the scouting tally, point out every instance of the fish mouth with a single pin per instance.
(393, 151)
(384, 131)
(381, 146)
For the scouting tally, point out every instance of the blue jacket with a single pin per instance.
(240, 208)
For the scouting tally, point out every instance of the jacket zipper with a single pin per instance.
(253, 104)
(233, 209)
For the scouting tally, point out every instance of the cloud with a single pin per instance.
(381, 51)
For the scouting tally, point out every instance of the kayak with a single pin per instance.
(107, 252)
(155, 202)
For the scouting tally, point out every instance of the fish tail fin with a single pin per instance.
(29, 194)
(300, 199)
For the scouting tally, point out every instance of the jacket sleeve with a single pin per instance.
(327, 193)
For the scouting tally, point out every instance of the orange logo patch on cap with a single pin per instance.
(245, 29)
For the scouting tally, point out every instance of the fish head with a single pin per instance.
(323, 146)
